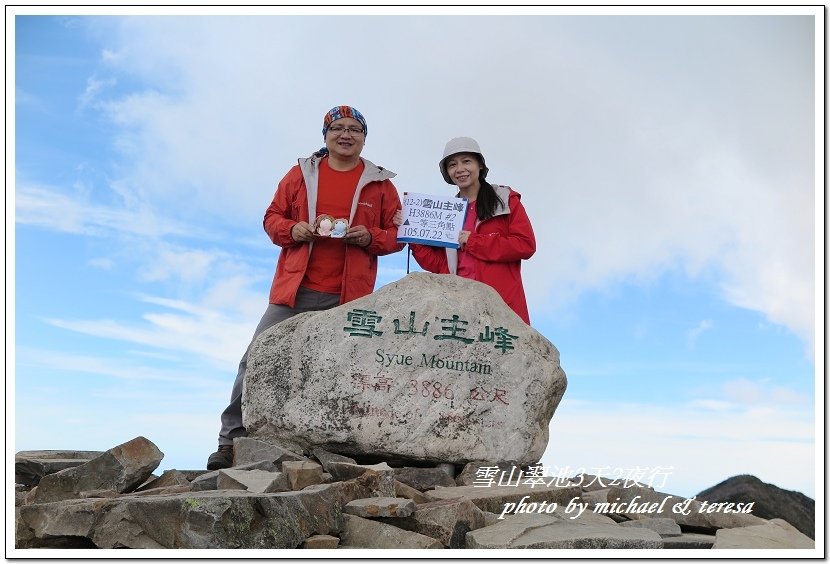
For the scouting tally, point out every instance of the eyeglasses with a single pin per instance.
(339, 130)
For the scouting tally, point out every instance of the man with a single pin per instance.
(314, 272)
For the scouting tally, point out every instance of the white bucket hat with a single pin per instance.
(460, 145)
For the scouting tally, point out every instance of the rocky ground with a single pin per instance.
(273, 498)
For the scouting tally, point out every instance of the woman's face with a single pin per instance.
(463, 169)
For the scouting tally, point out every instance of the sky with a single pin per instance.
(667, 160)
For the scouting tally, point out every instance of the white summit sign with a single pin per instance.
(431, 220)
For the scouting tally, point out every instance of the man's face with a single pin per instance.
(342, 140)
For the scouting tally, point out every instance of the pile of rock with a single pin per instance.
(274, 498)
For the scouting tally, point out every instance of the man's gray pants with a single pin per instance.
(307, 300)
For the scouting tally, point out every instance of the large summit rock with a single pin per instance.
(432, 368)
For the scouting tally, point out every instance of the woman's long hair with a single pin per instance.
(487, 198)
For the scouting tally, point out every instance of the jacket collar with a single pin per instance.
(502, 207)
(310, 168)
(371, 172)
(503, 193)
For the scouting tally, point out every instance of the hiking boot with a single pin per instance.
(222, 458)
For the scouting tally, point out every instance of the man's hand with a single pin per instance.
(302, 232)
(358, 235)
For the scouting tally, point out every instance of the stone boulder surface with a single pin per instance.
(431, 368)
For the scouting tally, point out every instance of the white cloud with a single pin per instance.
(177, 408)
(113, 368)
(187, 264)
(701, 445)
(693, 334)
(217, 335)
(102, 263)
(110, 56)
(714, 405)
(49, 208)
(139, 236)
(727, 431)
(94, 87)
(750, 392)
(632, 160)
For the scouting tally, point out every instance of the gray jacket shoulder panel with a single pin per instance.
(371, 172)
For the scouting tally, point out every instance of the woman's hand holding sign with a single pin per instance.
(462, 238)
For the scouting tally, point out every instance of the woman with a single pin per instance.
(496, 235)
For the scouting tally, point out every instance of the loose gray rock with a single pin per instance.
(431, 368)
(594, 497)
(424, 478)
(366, 533)
(691, 541)
(448, 521)
(775, 533)
(495, 498)
(97, 493)
(302, 473)
(663, 526)
(402, 490)
(193, 474)
(265, 465)
(256, 481)
(380, 507)
(544, 531)
(166, 490)
(32, 465)
(347, 471)
(703, 518)
(448, 468)
(122, 468)
(325, 457)
(321, 541)
(209, 480)
(206, 482)
(247, 450)
(587, 517)
(167, 479)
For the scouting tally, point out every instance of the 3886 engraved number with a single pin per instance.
(430, 389)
